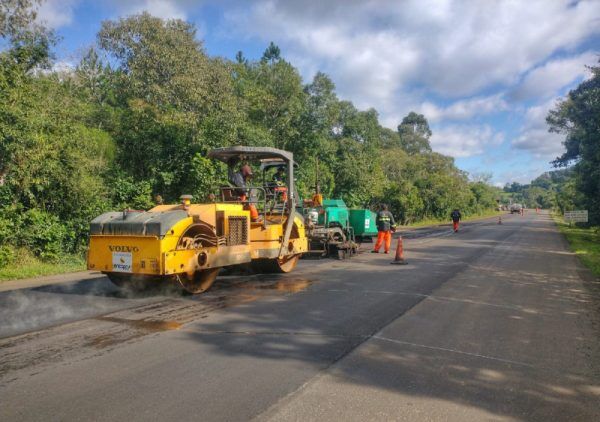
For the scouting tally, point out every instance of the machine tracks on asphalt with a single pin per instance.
(30, 352)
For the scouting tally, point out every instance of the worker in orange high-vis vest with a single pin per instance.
(385, 227)
(455, 216)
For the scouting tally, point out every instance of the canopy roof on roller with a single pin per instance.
(241, 153)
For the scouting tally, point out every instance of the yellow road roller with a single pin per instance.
(187, 244)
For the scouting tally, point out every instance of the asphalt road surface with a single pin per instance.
(496, 322)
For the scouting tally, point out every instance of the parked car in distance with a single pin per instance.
(515, 208)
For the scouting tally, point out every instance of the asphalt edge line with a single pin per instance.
(460, 352)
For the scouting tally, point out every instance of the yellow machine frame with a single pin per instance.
(175, 255)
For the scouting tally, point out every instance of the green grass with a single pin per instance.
(478, 216)
(27, 266)
(585, 242)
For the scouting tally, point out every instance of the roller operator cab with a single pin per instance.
(187, 244)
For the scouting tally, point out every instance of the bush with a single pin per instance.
(9, 225)
(129, 193)
(43, 234)
(7, 256)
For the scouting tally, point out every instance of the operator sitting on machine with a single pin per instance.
(279, 182)
(279, 175)
(239, 179)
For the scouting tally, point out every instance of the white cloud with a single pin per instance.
(165, 9)
(534, 136)
(522, 174)
(465, 140)
(59, 13)
(56, 13)
(545, 81)
(374, 50)
(464, 109)
(403, 56)
(63, 66)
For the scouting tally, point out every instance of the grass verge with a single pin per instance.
(585, 242)
(28, 266)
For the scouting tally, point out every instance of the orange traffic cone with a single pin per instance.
(399, 258)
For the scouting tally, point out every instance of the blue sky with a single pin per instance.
(484, 73)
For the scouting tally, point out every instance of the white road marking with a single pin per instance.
(443, 349)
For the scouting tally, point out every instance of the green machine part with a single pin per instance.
(363, 222)
(334, 211)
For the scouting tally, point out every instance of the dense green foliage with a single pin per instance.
(137, 116)
(578, 185)
(551, 190)
(578, 116)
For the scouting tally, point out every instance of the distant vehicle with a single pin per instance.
(515, 208)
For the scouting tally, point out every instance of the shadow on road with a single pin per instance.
(519, 376)
(493, 318)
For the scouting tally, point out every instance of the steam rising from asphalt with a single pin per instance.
(31, 309)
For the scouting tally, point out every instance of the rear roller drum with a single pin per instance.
(286, 264)
(277, 265)
(199, 282)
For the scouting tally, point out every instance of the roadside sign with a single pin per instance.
(580, 216)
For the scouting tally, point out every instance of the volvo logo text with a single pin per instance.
(118, 248)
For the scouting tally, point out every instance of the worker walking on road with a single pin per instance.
(456, 216)
(385, 226)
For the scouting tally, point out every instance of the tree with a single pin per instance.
(578, 117)
(414, 134)
(240, 59)
(272, 54)
(484, 196)
(163, 62)
(137, 116)
(17, 16)
(29, 42)
(484, 177)
(174, 101)
(271, 95)
(322, 105)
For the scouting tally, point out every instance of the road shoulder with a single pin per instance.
(29, 283)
